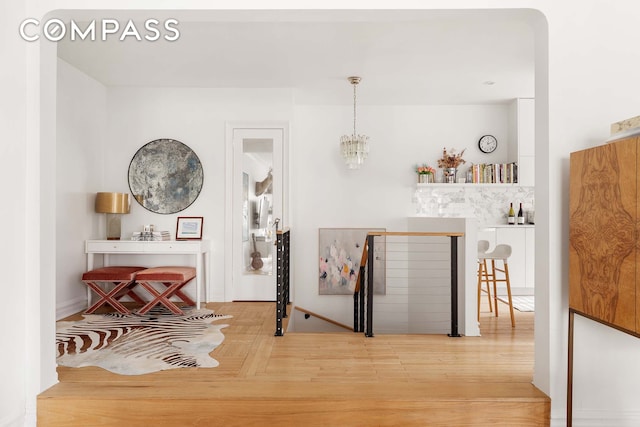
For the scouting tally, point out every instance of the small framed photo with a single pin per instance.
(189, 228)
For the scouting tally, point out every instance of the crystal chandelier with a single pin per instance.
(355, 148)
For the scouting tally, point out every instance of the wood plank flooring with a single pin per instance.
(319, 379)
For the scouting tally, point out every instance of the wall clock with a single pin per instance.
(488, 144)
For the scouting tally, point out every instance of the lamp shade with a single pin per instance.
(115, 203)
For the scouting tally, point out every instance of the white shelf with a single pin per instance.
(466, 184)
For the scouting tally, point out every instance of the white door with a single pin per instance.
(257, 201)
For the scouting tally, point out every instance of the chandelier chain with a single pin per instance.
(354, 108)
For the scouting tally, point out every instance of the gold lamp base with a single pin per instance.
(114, 226)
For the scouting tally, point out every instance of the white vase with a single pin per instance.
(425, 178)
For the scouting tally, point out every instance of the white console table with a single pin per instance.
(198, 248)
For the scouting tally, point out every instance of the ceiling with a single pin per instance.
(404, 57)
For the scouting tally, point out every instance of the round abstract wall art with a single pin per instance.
(165, 176)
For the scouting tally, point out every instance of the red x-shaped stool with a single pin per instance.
(123, 279)
(173, 278)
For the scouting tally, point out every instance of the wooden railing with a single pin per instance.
(363, 295)
(309, 313)
(282, 277)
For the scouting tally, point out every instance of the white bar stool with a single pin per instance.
(483, 275)
(502, 253)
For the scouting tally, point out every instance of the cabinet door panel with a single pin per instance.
(526, 127)
(602, 254)
(517, 264)
(527, 171)
(488, 234)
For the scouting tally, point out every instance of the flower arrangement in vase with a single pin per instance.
(450, 162)
(425, 173)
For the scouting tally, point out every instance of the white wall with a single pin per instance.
(325, 194)
(592, 82)
(81, 143)
(197, 118)
(586, 78)
(14, 392)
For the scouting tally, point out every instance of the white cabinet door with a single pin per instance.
(526, 171)
(488, 234)
(526, 127)
(515, 237)
(526, 141)
(522, 140)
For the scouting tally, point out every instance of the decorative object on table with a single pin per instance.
(151, 236)
(165, 176)
(450, 162)
(189, 228)
(114, 205)
(340, 255)
(487, 143)
(354, 147)
(135, 344)
(256, 257)
(426, 174)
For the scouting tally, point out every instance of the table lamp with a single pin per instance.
(114, 205)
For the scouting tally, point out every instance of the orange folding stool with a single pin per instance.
(123, 279)
(173, 278)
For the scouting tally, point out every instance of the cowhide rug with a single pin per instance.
(133, 344)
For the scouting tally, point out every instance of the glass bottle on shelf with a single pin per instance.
(511, 219)
(520, 216)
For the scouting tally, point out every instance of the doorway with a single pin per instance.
(256, 204)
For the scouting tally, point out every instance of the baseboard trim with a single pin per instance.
(502, 290)
(599, 418)
(68, 308)
(15, 419)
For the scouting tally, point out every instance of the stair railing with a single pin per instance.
(359, 293)
(282, 276)
(363, 295)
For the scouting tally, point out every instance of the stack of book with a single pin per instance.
(495, 173)
(151, 236)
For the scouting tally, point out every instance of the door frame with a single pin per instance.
(230, 127)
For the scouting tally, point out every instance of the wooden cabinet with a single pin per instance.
(522, 139)
(603, 236)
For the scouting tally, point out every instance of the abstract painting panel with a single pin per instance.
(340, 253)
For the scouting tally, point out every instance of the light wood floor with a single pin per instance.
(316, 379)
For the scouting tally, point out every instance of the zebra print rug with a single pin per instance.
(134, 344)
